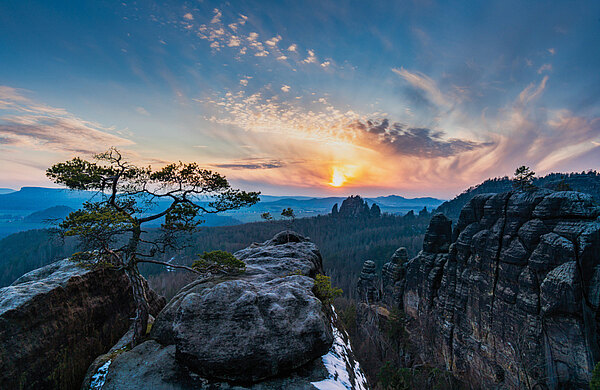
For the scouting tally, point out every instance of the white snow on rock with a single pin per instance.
(344, 370)
(99, 377)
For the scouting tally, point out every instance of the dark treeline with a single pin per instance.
(345, 244)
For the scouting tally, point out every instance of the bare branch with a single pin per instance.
(169, 265)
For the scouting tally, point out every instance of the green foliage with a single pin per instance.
(131, 192)
(395, 327)
(523, 179)
(218, 262)
(391, 377)
(324, 290)
(595, 381)
(266, 216)
(288, 213)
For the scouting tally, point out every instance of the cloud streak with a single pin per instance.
(27, 124)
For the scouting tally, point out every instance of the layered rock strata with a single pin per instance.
(55, 320)
(511, 299)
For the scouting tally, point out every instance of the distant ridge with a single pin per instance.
(586, 182)
(6, 191)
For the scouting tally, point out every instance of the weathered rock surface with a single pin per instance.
(393, 276)
(367, 288)
(55, 320)
(513, 300)
(264, 329)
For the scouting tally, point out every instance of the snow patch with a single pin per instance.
(344, 371)
(99, 377)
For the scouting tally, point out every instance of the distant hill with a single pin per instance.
(6, 191)
(588, 183)
(51, 213)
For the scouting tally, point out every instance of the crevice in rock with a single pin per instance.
(497, 264)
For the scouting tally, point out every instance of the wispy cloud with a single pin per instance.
(251, 163)
(27, 124)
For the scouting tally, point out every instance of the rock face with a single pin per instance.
(393, 276)
(512, 299)
(265, 329)
(368, 283)
(55, 320)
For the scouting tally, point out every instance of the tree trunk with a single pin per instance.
(140, 321)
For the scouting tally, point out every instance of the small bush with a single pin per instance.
(324, 290)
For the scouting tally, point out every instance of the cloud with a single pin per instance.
(217, 17)
(424, 83)
(142, 111)
(544, 68)
(413, 141)
(282, 58)
(552, 51)
(188, 16)
(293, 47)
(251, 163)
(531, 92)
(273, 41)
(311, 59)
(27, 124)
(234, 41)
(286, 88)
(325, 64)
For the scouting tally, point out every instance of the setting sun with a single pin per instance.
(337, 178)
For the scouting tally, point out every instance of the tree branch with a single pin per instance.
(169, 265)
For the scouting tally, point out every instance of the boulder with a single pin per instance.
(263, 329)
(55, 320)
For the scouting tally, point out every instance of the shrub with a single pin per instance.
(324, 290)
(216, 262)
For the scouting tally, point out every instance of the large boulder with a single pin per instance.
(513, 299)
(55, 320)
(264, 329)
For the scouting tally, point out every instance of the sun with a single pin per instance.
(337, 178)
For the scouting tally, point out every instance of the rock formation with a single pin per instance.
(511, 298)
(264, 329)
(55, 320)
(368, 283)
(393, 276)
(355, 206)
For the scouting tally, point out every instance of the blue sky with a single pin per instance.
(309, 98)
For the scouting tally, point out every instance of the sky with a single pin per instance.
(319, 98)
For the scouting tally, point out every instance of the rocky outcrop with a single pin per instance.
(368, 283)
(355, 206)
(55, 320)
(512, 300)
(393, 276)
(264, 329)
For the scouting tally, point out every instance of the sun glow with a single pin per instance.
(338, 178)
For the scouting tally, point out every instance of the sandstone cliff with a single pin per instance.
(510, 298)
(55, 320)
(264, 329)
